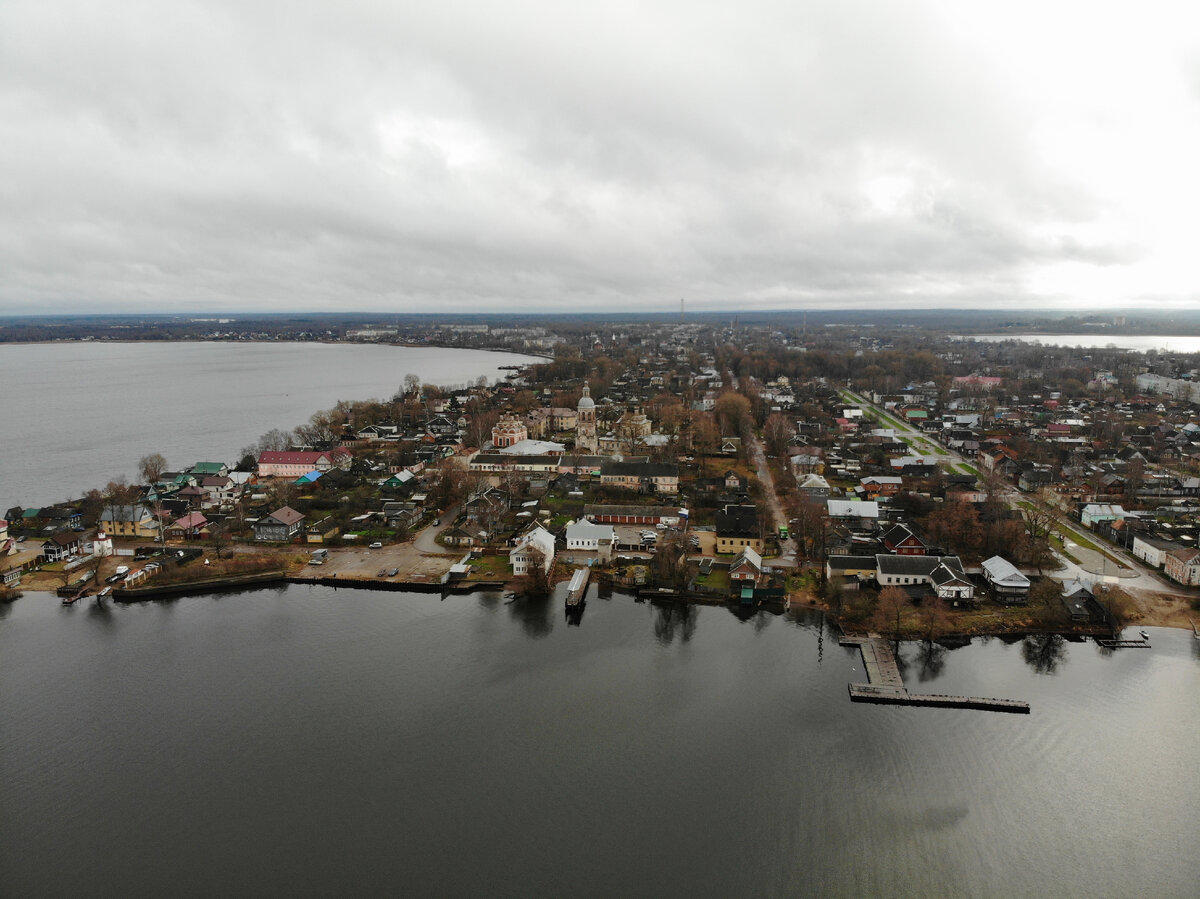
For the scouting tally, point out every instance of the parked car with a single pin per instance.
(376, 545)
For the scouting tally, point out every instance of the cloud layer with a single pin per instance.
(567, 157)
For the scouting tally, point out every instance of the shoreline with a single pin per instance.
(462, 588)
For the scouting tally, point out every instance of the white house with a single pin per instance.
(584, 534)
(1153, 551)
(943, 574)
(1007, 583)
(536, 540)
(853, 509)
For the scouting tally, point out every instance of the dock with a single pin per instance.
(578, 586)
(886, 686)
(1124, 644)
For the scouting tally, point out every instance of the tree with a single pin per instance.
(669, 564)
(934, 617)
(705, 436)
(778, 434)
(322, 428)
(412, 383)
(1119, 607)
(118, 493)
(218, 533)
(479, 429)
(1039, 524)
(537, 581)
(892, 601)
(152, 467)
(275, 440)
(733, 413)
(1045, 592)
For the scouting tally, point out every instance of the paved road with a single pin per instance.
(426, 540)
(1093, 564)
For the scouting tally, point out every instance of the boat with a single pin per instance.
(1145, 634)
(578, 587)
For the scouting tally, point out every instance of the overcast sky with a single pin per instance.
(412, 156)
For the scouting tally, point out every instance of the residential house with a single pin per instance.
(899, 539)
(487, 507)
(881, 485)
(1007, 584)
(536, 544)
(280, 526)
(1183, 566)
(321, 531)
(944, 575)
(467, 534)
(746, 569)
(1081, 604)
(1152, 550)
(220, 489)
(644, 477)
(588, 535)
(61, 545)
(850, 568)
(738, 528)
(203, 470)
(814, 486)
(129, 521)
(190, 527)
(292, 464)
(853, 512)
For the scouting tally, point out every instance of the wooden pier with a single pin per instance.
(1124, 644)
(886, 686)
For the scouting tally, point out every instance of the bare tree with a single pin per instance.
(892, 601)
(275, 440)
(152, 467)
(934, 617)
(537, 580)
(778, 434)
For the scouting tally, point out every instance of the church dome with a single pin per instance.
(585, 401)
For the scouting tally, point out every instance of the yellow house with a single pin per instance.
(129, 521)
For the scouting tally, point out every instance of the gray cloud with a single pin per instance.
(537, 155)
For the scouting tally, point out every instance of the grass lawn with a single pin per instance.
(717, 579)
(490, 568)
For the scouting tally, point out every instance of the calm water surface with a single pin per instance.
(77, 415)
(307, 742)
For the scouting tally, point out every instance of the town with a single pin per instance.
(905, 480)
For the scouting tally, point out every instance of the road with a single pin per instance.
(1111, 563)
(787, 548)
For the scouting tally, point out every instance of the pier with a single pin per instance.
(886, 686)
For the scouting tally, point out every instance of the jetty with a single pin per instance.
(1124, 644)
(577, 589)
(886, 686)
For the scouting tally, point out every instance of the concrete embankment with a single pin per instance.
(207, 585)
(398, 586)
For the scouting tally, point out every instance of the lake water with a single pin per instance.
(78, 415)
(1138, 342)
(311, 742)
